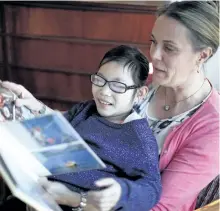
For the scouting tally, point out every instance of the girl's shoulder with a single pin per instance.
(85, 108)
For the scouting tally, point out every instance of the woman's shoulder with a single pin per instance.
(201, 130)
(206, 119)
(214, 101)
(210, 106)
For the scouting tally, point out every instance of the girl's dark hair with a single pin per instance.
(201, 18)
(133, 58)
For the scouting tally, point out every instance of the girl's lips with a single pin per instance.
(104, 102)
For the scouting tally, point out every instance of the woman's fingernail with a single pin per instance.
(18, 103)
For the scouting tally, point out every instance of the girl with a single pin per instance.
(118, 135)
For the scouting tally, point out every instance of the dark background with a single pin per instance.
(52, 47)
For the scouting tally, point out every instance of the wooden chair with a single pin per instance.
(209, 194)
(214, 206)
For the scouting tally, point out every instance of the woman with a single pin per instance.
(182, 107)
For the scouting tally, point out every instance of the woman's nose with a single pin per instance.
(156, 53)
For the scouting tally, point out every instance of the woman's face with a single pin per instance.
(172, 54)
(114, 106)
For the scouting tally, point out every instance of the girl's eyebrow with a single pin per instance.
(113, 79)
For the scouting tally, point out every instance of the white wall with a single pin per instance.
(212, 69)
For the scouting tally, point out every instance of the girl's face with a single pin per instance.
(114, 106)
(172, 54)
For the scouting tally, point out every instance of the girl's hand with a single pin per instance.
(107, 198)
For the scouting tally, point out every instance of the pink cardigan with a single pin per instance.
(190, 158)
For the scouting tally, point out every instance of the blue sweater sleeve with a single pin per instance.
(139, 195)
(143, 193)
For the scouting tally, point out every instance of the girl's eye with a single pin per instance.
(152, 41)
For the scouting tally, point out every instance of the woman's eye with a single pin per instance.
(168, 49)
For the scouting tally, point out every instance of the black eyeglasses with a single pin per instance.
(115, 86)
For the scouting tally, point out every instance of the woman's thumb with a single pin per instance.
(30, 103)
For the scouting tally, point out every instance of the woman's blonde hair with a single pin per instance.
(201, 18)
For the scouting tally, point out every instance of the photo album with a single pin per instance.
(37, 147)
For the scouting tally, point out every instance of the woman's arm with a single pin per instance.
(25, 98)
(191, 169)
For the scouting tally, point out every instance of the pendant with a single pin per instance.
(166, 107)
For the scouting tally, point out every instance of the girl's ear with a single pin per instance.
(142, 93)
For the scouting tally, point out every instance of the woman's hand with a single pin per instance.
(60, 193)
(107, 198)
(104, 200)
(25, 98)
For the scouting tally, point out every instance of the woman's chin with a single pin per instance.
(158, 81)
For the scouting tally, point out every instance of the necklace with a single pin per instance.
(168, 107)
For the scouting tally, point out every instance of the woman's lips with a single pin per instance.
(160, 70)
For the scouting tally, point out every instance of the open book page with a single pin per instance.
(54, 145)
(21, 155)
(41, 146)
(24, 184)
(10, 112)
